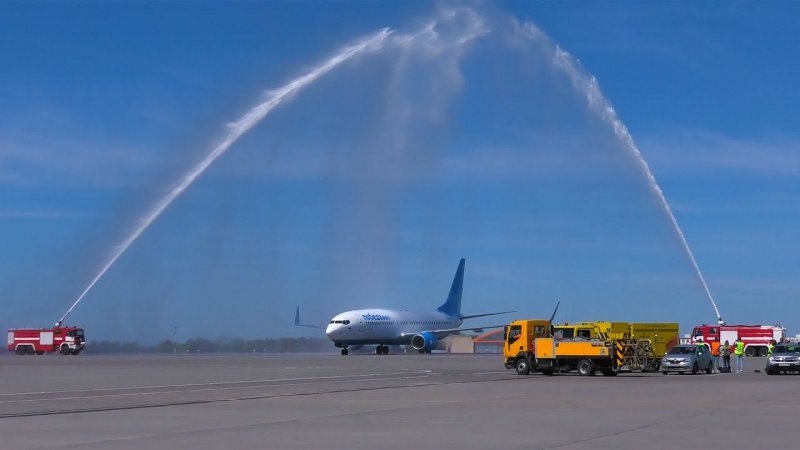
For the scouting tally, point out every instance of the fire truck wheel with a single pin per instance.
(523, 366)
(31, 350)
(40, 353)
(76, 352)
(19, 350)
(585, 367)
(750, 351)
(65, 350)
(762, 351)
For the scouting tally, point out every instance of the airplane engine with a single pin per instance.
(424, 341)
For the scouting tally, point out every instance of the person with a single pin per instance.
(738, 350)
(725, 351)
(715, 354)
(770, 347)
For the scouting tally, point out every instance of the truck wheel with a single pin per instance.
(585, 367)
(523, 366)
(40, 353)
(750, 351)
(65, 350)
(762, 351)
(20, 350)
(31, 350)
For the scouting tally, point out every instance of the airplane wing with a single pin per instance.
(442, 333)
(297, 321)
(484, 315)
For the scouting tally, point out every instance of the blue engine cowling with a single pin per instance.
(424, 341)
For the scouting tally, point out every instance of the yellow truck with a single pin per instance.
(530, 345)
(661, 336)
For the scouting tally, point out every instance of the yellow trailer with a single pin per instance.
(661, 336)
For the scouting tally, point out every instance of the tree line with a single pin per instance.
(219, 345)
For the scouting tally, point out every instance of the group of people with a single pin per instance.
(737, 349)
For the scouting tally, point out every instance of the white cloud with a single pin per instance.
(687, 152)
(11, 214)
(38, 160)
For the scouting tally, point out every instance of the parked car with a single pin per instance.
(687, 358)
(784, 358)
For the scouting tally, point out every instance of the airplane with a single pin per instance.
(384, 327)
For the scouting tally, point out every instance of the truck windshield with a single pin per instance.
(698, 332)
(75, 333)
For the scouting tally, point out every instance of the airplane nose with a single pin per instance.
(331, 330)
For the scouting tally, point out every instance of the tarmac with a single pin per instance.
(368, 401)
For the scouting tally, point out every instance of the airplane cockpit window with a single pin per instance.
(346, 322)
(331, 321)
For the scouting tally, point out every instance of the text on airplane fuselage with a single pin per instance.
(372, 317)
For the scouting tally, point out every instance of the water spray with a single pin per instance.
(587, 85)
(235, 131)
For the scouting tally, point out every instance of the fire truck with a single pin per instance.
(30, 341)
(755, 337)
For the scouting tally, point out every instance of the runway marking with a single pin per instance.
(220, 383)
(241, 398)
(133, 394)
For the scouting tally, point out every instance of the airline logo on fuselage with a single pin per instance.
(371, 317)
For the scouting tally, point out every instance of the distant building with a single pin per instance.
(490, 342)
(459, 344)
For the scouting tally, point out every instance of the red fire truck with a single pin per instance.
(755, 337)
(29, 341)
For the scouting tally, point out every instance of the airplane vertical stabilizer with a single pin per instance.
(453, 304)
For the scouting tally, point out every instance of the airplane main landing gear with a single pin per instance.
(382, 350)
(344, 352)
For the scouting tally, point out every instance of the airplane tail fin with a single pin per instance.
(452, 306)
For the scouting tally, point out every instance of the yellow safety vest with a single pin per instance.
(770, 348)
(739, 348)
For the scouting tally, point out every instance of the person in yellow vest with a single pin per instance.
(770, 348)
(738, 350)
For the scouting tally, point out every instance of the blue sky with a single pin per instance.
(367, 187)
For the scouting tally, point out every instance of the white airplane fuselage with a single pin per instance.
(385, 326)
